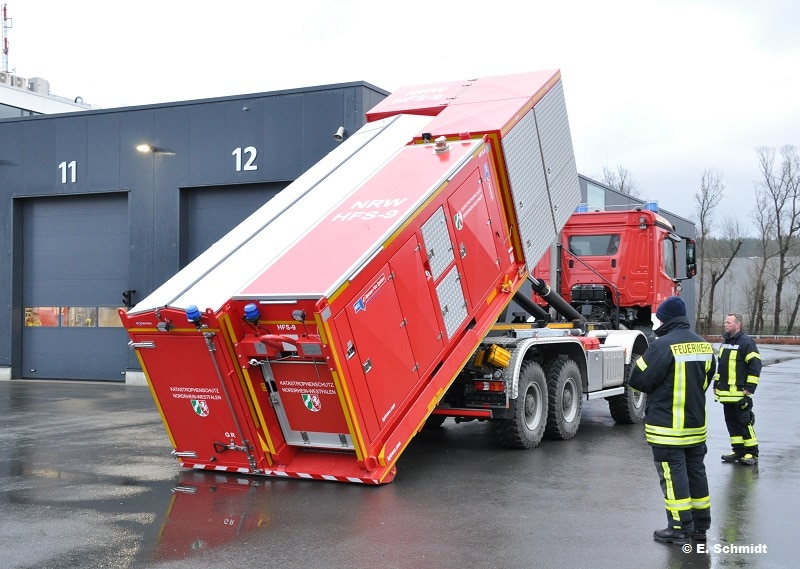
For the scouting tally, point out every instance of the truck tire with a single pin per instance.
(628, 407)
(434, 422)
(565, 389)
(526, 429)
(648, 333)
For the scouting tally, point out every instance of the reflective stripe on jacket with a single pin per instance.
(739, 368)
(675, 372)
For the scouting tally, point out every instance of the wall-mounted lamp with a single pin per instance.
(144, 148)
(338, 136)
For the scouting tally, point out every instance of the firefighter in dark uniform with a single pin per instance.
(734, 384)
(675, 372)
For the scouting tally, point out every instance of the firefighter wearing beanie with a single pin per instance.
(675, 373)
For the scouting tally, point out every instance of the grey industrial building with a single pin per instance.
(100, 207)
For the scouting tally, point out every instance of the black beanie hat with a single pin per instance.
(671, 308)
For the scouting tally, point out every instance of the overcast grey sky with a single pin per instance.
(666, 88)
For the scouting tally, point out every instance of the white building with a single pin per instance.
(22, 97)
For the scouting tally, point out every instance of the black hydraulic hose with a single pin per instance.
(555, 300)
(531, 307)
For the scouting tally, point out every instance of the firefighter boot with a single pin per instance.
(670, 535)
(699, 535)
(748, 460)
(731, 457)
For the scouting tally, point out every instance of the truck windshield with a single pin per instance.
(593, 245)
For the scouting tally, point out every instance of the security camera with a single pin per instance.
(338, 136)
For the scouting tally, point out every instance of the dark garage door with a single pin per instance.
(209, 213)
(75, 267)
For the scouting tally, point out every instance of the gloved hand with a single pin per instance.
(746, 415)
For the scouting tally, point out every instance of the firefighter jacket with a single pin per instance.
(675, 373)
(739, 368)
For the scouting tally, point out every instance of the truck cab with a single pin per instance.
(616, 267)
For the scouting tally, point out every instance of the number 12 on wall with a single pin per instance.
(245, 158)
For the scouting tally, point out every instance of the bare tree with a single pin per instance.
(779, 190)
(765, 222)
(706, 199)
(621, 180)
(795, 281)
(755, 290)
(721, 254)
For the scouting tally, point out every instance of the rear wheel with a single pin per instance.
(648, 333)
(526, 429)
(565, 397)
(628, 407)
(434, 422)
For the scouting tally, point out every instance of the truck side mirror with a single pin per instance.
(691, 259)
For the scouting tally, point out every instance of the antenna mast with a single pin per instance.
(7, 25)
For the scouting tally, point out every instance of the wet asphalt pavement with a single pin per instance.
(86, 481)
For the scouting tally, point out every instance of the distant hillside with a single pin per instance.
(751, 247)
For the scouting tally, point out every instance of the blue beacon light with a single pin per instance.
(193, 314)
(251, 312)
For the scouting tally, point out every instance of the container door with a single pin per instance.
(381, 364)
(415, 296)
(474, 239)
(205, 421)
(307, 404)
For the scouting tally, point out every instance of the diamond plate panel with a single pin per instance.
(542, 173)
(537, 235)
(451, 301)
(559, 158)
(437, 243)
(525, 170)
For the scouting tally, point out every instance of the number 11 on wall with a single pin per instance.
(69, 172)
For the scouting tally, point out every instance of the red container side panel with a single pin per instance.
(386, 327)
(390, 330)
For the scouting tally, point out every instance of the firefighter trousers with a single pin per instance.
(683, 480)
(740, 428)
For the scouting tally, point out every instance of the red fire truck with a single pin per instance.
(362, 302)
(617, 266)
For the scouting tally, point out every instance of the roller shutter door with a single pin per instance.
(209, 213)
(75, 267)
